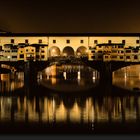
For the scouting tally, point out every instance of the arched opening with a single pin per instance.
(82, 51)
(127, 77)
(68, 51)
(54, 51)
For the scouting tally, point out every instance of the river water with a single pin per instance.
(64, 102)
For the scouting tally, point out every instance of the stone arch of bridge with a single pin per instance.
(54, 51)
(119, 65)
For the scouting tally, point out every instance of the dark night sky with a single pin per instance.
(42, 16)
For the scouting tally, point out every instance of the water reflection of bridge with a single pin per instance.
(80, 110)
(70, 71)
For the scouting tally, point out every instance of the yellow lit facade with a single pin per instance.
(29, 53)
(46, 46)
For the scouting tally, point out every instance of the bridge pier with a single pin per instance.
(30, 74)
(106, 73)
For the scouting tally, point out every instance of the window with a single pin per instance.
(127, 57)
(32, 50)
(0, 48)
(106, 56)
(21, 56)
(135, 51)
(7, 51)
(21, 51)
(99, 57)
(37, 56)
(137, 41)
(37, 49)
(42, 56)
(81, 41)
(42, 51)
(121, 57)
(12, 40)
(128, 51)
(99, 51)
(68, 41)
(123, 41)
(109, 41)
(54, 41)
(14, 56)
(40, 41)
(26, 40)
(26, 50)
(14, 50)
(95, 41)
(113, 56)
(120, 46)
(93, 51)
(93, 57)
(135, 57)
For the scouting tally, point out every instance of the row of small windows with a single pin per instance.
(96, 41)
(81, 41)
(37, 56)
(68, 41)
(26, 41)
(42, 51)
(110, 41)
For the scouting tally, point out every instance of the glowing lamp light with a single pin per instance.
(78, 53)
(53, 50)
(8, 57)
(65, 54)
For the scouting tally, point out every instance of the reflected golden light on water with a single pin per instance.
(53, 80)
(45, 109)
(127, 77)
(11, 82)
(75, 113)
(69, 78)
(55, 109)
(61, 113)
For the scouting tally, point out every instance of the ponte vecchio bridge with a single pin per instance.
(34, 52)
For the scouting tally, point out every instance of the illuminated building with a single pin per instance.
(22, 46)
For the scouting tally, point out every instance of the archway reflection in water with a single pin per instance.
(66, 110)
(69, 78)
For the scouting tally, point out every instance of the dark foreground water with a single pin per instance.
(70, 104)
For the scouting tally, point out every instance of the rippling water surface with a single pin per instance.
(50, 107)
